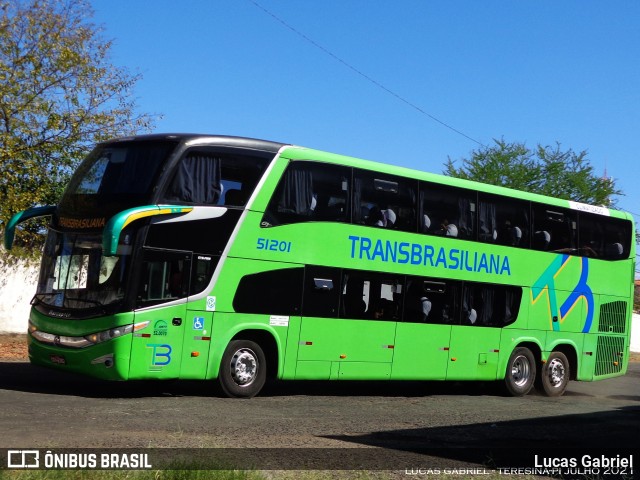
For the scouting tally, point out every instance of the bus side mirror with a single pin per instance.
(20, 217)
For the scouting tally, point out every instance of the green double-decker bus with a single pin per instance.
(239, 260)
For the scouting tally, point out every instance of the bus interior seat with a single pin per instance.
(390, 218)
(614, 250)
(354, 307)
(516, 234)
(541, 240)
(427, 223)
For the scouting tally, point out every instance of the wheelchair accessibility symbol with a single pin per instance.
(198, 323)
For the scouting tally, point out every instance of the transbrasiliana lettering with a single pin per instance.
(364, 248)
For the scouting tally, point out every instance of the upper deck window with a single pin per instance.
(503, 220)
(116, 176)
(554, 229)
(447, 211)
(385, 201)
(607, 238)
(310, 192)
(205, 177)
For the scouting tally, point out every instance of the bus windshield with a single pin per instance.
(75, 274)
(122, 174)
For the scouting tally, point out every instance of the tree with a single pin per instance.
(59, 94)
(546, 170)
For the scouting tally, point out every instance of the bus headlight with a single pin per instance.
(82, 342)
(110, 334)
(57, 340)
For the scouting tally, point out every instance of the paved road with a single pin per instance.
(40, 408)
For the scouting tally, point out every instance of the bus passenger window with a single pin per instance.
(430, 301)
(276, 292)
(447, 211)
(503, 220)
(372, 296)
(490, 305)
(207, 177)
(384, 201)
(554, 229)
(196, 180)
(310, 192)
(603, 237)
(321, 292)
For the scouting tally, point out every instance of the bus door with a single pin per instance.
(163, 288)
(348, 327)
(475, 341)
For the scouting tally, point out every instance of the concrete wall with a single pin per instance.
(18, 281)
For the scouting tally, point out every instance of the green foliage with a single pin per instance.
(545, 170)
(59, 95)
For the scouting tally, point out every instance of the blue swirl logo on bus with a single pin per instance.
(582, 291)
(365, 248)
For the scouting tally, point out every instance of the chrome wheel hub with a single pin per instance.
(556, 372)
(244, 366)
(520, 370)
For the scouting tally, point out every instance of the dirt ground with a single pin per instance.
(13, 347)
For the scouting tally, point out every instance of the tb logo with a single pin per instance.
(160, 355)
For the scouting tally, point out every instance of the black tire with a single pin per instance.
(243, 369)
(554, 375)
(521, 372)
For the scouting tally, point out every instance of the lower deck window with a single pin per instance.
(327, 292)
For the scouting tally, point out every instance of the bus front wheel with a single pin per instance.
(521, 372)
(555, 374)
(243, 369)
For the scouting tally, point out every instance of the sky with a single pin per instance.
(406, 82)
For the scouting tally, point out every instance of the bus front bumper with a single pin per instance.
(107, 361)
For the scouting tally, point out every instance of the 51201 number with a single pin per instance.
(273, 245)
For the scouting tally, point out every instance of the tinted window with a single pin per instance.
(431, 300)
(373, 296)
(203, 177)
(321, 292)
(310, 192)
(447, 211)
(554, 229)
(604, 237)
(114, 177)
(164, 277)
(278, 292)
(503, 220)
(384, 201)
(202, 271)
(490, 305)
(208, 236)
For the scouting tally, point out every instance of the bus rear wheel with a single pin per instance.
(243, 369)
(521, 372)
(554, 375)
